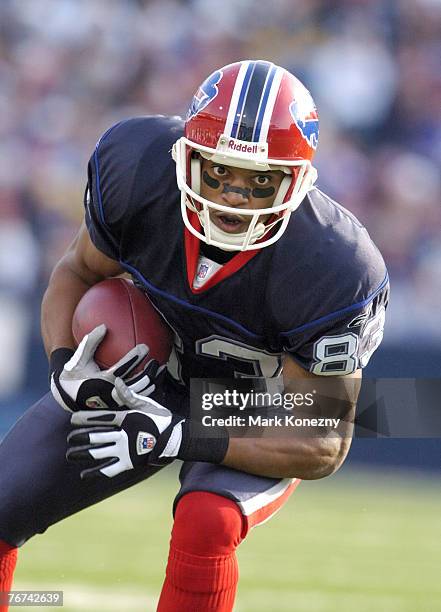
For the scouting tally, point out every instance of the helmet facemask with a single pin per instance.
(298, 180)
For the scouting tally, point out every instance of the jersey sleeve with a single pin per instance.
(343, 341)
(330, 303)
(107, 193)
(130, 168)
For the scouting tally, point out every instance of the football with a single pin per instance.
(129, 317)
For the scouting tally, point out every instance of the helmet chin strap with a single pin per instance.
(231, 242)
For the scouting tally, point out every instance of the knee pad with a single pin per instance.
(207, 524)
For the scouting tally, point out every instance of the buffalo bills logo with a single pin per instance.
(305, 117)
(205, 94)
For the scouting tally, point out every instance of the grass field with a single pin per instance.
(355, 542)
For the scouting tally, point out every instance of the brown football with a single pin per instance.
(129, 317)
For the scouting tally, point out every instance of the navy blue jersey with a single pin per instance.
(318, 293)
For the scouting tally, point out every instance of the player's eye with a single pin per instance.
(262, 180)
(219, 170)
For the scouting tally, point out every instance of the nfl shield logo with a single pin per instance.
(147, 444)
(203, 270)
(144, 443)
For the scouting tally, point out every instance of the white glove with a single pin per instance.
(110, 443)
(82, 385)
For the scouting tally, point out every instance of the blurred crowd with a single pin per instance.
(71, 68)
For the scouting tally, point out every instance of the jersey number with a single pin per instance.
(251, 363)
(339, 354)
(260, 364)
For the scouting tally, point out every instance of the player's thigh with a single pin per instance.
(258, 497)
(38, 486)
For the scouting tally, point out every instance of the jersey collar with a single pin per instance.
(192, 247)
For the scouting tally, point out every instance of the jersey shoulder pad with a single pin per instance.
(130, 167)
(332, 283)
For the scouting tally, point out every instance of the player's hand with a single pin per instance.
(109, 443)
(82, 385)
(144, 383)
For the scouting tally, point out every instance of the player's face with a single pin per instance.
(239, 189)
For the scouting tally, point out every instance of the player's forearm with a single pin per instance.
(65, 290)
(82, 266)
(308, 459)
(309, 452)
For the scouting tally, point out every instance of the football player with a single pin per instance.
(258, 273)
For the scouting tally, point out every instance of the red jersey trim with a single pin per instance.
(266, 512)
(192, 246)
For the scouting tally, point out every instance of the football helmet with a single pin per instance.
(252, 115)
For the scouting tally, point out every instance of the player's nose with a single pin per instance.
(236, 193)
(234, 199)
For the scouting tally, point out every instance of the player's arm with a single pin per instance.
(75, 379)
(304, 453)
(81, 266)
(148, 433)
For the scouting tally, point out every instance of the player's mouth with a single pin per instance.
(233, 224)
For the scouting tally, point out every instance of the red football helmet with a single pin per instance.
(252, 115)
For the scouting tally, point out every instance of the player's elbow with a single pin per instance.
(325, 464)
(325, 457)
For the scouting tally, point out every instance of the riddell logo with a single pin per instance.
(241, 146)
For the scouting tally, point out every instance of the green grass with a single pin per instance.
(355, 542)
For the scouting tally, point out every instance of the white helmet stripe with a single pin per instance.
(243, 74)
(270, 104)
(263, 103)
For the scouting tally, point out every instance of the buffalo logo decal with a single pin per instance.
(205, 94)
(305, 116)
